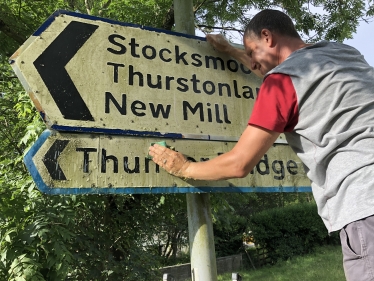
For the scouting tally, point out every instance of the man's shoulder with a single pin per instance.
(315, 57)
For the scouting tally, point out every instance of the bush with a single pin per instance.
(290, 231)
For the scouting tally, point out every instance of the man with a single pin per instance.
(322, 97)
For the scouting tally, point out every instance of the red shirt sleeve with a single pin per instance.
(276, 106)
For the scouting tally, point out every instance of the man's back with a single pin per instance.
(334, 135)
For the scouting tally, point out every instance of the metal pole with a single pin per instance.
(200, 229)
(200, 226)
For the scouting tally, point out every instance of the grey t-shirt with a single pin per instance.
(334, 136)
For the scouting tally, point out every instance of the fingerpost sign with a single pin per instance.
(111, 88)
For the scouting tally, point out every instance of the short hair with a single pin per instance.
(273, 20)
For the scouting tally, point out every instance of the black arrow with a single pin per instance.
(51, 67)
(50, 159)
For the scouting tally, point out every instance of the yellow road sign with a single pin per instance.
(68, 163)
(91, 74)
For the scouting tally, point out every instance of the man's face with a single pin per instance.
(261, 51)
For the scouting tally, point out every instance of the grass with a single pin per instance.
(323, 265)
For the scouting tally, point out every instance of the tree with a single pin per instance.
(113, 237)
(315, 20)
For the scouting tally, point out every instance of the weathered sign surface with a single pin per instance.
(114, 88)
(91, 74)
(71, 163)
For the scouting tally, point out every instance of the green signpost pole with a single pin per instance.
(200, 226)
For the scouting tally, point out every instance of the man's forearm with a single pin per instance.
(225, 166)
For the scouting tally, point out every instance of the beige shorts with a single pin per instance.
(357, 240)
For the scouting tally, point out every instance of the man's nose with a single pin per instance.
(253, 65)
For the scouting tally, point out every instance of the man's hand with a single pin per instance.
(173, 162)
(219, 42)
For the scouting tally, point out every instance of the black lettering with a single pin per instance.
(195, 81)
(86, 157)
(115, 70)
(133, 48)
(236, 66)
(290, 166)
(244, 69)
(105, 158)
(132, 74)
(212, 87)
(160, 108)
(209, 110)
(112, 39)
(202, 159)
(145, 54)
(181, 82)
(279, 171)
(161, 54)
(191, 159)
(136, 169)
(179, 56)
(193, 110)
(227, 86)
(236, 89)
(218, 119)
(146, 168)
(214, 61)
(110, 97)
(168, 79)
(265, 162)
(249, 93)
(135, 108)
(225, 114)
(146, 165)
(158, 84)
(196, 58)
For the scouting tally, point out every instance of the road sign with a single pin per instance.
(75, 163)
(96, 75)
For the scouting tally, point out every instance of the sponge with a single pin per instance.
(162, 143)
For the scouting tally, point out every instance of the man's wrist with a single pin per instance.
(186, 170)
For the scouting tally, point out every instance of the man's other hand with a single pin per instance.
(219, 42)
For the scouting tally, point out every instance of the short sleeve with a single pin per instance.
(276, 106)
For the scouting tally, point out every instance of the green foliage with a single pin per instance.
(290, 231)
(229, 223)
(316, 20)
(325, 264)
(232, 214)
(144, 12)
(79, 238)
(119, 237)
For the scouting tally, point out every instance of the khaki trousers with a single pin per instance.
(357, 239)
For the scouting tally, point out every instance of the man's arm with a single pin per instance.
(220, 43)
(237, 163)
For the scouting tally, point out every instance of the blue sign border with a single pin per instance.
(57, 13)
(43, 187)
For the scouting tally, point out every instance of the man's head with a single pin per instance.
(269, 38)
(274, 21)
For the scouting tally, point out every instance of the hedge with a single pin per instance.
(289, 231)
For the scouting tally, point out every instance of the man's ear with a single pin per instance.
(268, 37)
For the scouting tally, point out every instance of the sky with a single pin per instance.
(363, 41)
